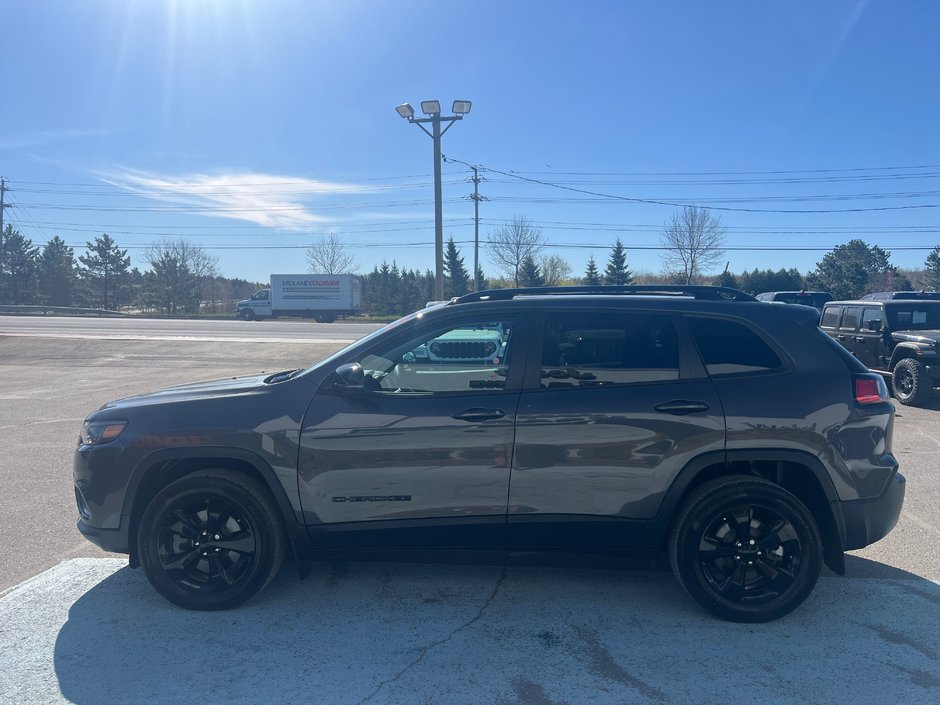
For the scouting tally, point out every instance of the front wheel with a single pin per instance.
(745, 549)
(211, 540)
(910, 382)
(248, 314)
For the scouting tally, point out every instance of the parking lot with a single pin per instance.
(77, 625)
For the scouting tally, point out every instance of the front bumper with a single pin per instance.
(111, 540)
(862, 522)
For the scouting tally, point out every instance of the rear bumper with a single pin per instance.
(863, 522)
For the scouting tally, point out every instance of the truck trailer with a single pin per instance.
(322, 297)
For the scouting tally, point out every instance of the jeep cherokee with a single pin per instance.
(734, 437)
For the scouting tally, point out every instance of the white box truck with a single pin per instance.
(323, 297)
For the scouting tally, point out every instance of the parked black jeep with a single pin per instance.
(898, 337)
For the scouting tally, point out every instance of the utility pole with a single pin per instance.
(3, 206)
(476, 197)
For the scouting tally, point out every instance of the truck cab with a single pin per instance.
(256, 307)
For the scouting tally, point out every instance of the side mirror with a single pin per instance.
(874, 326)
(351, 377)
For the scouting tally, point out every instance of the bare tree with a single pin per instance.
(179, 273)
(694, 240)
(511, 244)
(555, 269)
(328, 255)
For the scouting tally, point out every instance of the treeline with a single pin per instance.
(181, 278)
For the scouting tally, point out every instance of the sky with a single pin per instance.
(253, 127)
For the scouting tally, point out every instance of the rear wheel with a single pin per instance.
(910, 382)
(745, 549)
(211, 540)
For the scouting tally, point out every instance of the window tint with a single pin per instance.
(610, 348)
(830, 317)
(462, 357)
(728, 347)
(913, 316)
(850, 318)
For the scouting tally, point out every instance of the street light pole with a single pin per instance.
(432, 108)
(438, 212)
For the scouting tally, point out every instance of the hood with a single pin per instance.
(924, 337)
(231, 386)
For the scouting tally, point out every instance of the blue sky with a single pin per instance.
(263, 124)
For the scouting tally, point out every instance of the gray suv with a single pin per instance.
(734, 437)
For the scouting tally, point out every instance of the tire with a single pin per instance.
(324, 317)
(248, 314)
(910, 382)
(211, 574)
(729, 552)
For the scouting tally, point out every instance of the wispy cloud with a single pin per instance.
(265, 199)
(43, 137)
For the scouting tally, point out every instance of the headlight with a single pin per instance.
(97, 432)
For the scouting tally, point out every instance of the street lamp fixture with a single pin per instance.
(432, 108)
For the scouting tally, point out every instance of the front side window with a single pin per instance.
(468, 356)
(262, 295)
(872, 318)
(729, 347)
(596, 349)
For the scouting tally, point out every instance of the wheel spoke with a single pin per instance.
(772, 537)
(242, 542)
(711, 549)
(742, 529)
(183, 525)
(181, 561)
(733, 587)
(217, 570)
(778, 579)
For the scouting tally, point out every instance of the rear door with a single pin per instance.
(848, 327)
(615, 404)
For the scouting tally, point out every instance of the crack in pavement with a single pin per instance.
(427, 649)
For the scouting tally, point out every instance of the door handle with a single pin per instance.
(479, 414)
(681, 406)
(841, 337)
(859, 338)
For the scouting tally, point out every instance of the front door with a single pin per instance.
(421, 456)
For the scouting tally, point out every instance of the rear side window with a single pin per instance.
(729, 347)
(607, 348)
(830, 317)
(850, 318)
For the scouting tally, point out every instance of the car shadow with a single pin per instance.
(370, 631)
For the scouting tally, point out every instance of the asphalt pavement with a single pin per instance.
(83, 628)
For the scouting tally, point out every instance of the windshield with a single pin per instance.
(921, 316)
(325, 362)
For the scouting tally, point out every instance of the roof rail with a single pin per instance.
(710, 293)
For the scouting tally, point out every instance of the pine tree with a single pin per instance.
(106, 269)
(481, 280)
(932, 279)
(57, 273)
(617, 272)
(529, 274)
(458, 280)
(591, 275)
(17, 268)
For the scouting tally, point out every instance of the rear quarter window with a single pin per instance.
(728, 347)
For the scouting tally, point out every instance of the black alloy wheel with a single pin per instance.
(746, 549)
(211, 540)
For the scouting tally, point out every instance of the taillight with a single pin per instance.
(870, 389)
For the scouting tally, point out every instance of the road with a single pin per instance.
(558, 630)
